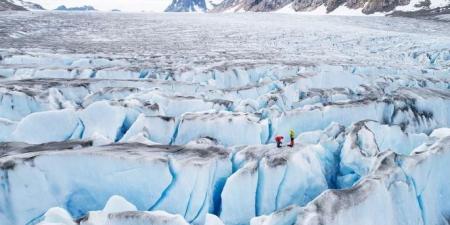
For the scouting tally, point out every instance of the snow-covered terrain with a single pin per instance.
(187, 6)
(171, 118)
(27, 5)
(19, 5)
(330, 7)
(408, 8)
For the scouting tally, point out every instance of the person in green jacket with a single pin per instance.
(292, 136)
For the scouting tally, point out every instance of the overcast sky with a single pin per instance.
(124, 5)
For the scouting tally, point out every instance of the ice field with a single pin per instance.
(170, 119)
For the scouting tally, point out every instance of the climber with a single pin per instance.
(279, 140)
(292, 136)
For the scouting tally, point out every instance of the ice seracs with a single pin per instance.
(57, 216)
(365, 141)
(182, 127)
(150, 177)
(268, 178)
(115, 204)
(246, 128)
(199, 179)
(43, 127)
(414, 180)
(116, 211)
(103, 120)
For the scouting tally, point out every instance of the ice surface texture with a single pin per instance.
(235, 184)
(176, 114)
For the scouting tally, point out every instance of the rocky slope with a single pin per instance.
(409, 8)
(187, 6)
(18, 5)
(324, 6)
(27, 5)
(367, 6)
(6, 5)
(440, 13)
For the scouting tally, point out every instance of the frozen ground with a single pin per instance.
(176, 113)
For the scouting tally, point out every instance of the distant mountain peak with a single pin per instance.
(187, 6)
(18, 5)
(80, 8)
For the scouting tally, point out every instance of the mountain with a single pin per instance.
(27, 5)
(81, 8)
(329, 6)
(187, 6)
(334, 7)
(6, 6)
(18, 5)
(439, 13)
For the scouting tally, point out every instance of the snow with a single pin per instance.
(211, 3)
(412, 5)
(57, 216)
(345, 11)
(440, 133)
(322, 10)
(118, 204)
(117, 211)
(286, 9)
(26, 4)
(213, 220)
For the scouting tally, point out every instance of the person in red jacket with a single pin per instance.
(279, 140)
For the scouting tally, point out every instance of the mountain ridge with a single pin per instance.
(363, 7)
(319, 7)
(408, 8)
(77, 8)
(7, 6)
(19, 5)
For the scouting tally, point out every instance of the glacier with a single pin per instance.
(399, 190)
(199, 178)
(176, 125)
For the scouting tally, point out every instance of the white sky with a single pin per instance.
(107, 5)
